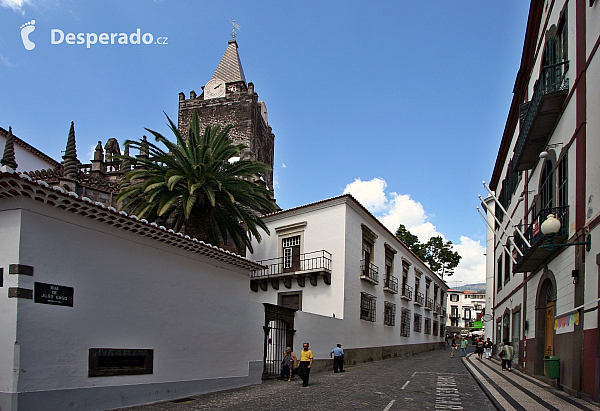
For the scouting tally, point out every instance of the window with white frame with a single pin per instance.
(291, 252)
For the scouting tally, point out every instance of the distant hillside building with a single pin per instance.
(464, 307)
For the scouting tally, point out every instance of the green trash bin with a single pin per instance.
(552, 366)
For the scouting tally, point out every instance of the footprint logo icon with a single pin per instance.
(26, 30)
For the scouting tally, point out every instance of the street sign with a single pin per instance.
(478, 325)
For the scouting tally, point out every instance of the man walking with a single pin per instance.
(338, 358)
(463, 347)
(306, 360)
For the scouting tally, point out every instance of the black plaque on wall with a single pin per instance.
(53, 294)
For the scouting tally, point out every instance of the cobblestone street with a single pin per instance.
(413, 383)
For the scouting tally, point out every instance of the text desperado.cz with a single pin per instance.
(57, 36)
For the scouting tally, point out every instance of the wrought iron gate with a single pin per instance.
(279, 334)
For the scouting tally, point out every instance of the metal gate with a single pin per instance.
(279, 334)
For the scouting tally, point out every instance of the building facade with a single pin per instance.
(544, 290)
(464, 307)
(334, 262)
(100, 310)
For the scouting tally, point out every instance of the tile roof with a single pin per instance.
(31, 149)
(230, 68)
(21, 185)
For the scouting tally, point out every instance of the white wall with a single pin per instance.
(26, 160)
(129, 292)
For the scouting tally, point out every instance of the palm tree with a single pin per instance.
(198, 185)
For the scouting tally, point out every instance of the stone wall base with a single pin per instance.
(121, 396)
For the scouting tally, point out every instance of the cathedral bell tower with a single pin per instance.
(227, 98)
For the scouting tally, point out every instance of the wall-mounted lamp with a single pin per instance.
(544, 153)
(551, 226)
(522, 196)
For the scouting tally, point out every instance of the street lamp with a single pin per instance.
(551, 226)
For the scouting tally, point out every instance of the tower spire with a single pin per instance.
(8, 159)
(71, 164)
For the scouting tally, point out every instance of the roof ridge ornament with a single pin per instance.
(235, 27)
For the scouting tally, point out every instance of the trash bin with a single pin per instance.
(552, 366)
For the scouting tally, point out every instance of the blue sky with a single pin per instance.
(401, 103)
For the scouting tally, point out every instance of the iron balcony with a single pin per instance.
(429, 304)
(309, 265)
(419, 299)
(534, 256)
(369, 272)
(540, 115)
(390, 284)
(407, 292)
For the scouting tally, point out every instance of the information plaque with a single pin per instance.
(53, 294)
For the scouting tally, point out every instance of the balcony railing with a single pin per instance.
(407, 292)
(310, 262)
(437, 309)
(309, 265)
(390, 284)
(369, 272)
(429, 304)
(419, 299)
(533, 256)
(454, 315)
(544, 110)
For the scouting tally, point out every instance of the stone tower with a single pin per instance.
(227, 98)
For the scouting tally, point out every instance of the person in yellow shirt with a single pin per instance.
(306, 360)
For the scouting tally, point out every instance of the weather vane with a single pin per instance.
(235, 27)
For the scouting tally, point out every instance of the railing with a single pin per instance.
(454, 315)
(443, 312)
(369, 271)
(407, 291)
(419, 299)
(534, 234)
(438, 309)
(552, 79)
(391, 283)
(313, 261)
(429, 303)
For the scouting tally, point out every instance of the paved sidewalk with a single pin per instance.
(516, 391)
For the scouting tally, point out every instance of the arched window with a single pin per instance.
(547, 186)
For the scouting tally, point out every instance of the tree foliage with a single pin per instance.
(436, 253)
(195, 185)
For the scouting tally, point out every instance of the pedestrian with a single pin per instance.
(338, 358)
(480, 347)
(506, 354)
(488, 345)
(453, 346)
(288, 364)
(463, 347)
(306, 360)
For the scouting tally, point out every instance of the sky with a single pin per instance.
(400, 103)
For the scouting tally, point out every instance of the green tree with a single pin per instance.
(196, 185)
(440, 257)
(411, 241)
(436, 253)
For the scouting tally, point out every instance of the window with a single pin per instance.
(547, 186)
(507, 264)
(467, 313)
(417, 285)
(562, 182)
(435, 328)
(291, 300)
(367, 307)
(405, 323)
(107, 362)
(499, 331)
(442, 330)
(418, 323)
(404, 273)
(454, 311)
(499, 274)
(454, 297)
(389, 315)
(291, 253)
(427, 325)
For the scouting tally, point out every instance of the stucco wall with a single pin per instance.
(129, 292)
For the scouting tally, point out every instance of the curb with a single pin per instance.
(483, 387)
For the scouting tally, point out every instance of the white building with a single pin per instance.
(544, 294)
(100, 310)
(464, 307)
(27, 157)
(340, 268)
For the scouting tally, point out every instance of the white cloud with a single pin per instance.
(394, 209)
(16, 5)
(371, 194)
(5, 61)
(283, 165)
